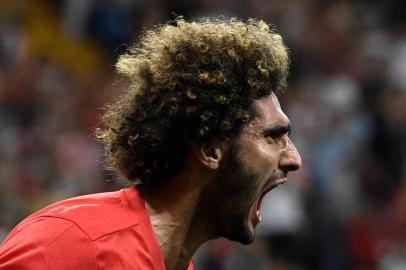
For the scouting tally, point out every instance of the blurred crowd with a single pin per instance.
(346, 99)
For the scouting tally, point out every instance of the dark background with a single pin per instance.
(346, 208)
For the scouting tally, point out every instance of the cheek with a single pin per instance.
(260, 157)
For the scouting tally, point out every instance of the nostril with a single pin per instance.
(290, 167)
(292, 163)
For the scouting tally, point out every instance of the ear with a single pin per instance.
(210, 154)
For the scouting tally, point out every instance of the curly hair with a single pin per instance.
(190, 82)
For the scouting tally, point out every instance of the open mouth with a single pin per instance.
(267, 188)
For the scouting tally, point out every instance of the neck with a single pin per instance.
(173, 211)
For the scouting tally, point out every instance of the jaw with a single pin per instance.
(229, 205)
(244, 233)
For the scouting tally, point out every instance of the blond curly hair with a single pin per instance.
(190, 82)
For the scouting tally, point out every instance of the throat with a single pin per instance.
(178, 243)
(173, 209)
(177, 232)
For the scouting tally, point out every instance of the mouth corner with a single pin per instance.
(281, 181)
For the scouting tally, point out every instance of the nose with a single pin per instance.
(290, 159)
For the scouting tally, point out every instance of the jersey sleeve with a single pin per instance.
(47, 243)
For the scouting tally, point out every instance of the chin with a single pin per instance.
(243, 234)
(244, 239)
(247, 240)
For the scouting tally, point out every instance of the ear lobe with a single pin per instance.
(210, 155)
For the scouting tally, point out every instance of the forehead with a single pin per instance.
(268, 112)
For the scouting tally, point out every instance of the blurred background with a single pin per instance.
(346, 208)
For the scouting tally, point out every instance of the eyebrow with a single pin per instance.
(278, 130)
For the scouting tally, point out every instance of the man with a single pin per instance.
(202, 135)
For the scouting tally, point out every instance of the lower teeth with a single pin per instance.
(259, 215)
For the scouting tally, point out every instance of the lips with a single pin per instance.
(268, 187)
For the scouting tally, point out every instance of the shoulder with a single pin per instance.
(47, 243)
(96, 214)
(103, 229)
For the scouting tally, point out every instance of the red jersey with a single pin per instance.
(100, 231)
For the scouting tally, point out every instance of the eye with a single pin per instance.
(275, 137)
(278, 134)
(281, 138)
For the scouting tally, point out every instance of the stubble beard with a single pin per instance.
(229, 202)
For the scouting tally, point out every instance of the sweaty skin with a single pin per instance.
(265, 148)
(218, 194)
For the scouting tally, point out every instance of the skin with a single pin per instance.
(217, 192)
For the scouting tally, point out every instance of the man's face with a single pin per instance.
(258, 161)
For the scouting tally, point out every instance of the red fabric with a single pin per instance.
(99, 231)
